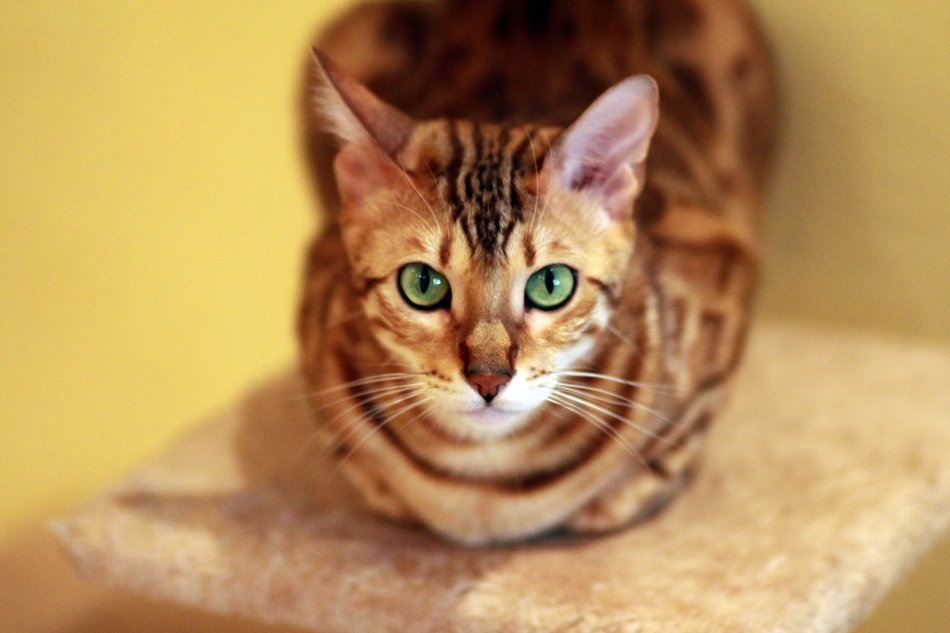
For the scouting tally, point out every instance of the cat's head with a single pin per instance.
(487, 257)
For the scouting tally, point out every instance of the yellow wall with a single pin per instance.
(153, 209)
(153, 215)
(860, 220)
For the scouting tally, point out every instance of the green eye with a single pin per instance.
(550, 287)
(423, 288)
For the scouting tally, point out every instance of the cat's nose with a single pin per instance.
(488, 385)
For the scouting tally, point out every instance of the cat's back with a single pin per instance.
(544, 61)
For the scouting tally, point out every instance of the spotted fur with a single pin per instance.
(462, 181)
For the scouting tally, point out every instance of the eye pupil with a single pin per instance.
(424, 280)
(549, 280)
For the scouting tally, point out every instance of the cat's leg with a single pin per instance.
(643, 494)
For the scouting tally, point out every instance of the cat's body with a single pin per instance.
(663, 293)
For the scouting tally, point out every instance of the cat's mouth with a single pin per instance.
(490, 416)
(470, 415)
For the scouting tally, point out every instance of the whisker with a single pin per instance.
(418, 193)
(307, 445)
(623, 337)
(364, 395)
(366, 387)
(436, 183)
(615, 398)
(576, 397)
(621, 400)
(547, 199)
(592, 401)
(594, 397)
(534, 157)
(366, 380)
(377, 427)
(420, 415)
(556, 413)
(345, 433)
(601, 425)
(609, 378)
(410, 210)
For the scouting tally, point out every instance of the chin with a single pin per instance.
(484, 422)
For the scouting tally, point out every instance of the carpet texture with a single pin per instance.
(825, 479)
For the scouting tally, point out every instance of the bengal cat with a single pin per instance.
(534, 278)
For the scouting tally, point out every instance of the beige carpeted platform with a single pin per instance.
(826, 478)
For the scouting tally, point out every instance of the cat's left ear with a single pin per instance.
(604, 151)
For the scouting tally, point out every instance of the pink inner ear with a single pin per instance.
(604, 150)
(362, 170)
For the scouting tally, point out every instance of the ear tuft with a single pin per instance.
(353, 113)
(603, 152)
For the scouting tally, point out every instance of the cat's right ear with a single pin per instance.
(371, 131)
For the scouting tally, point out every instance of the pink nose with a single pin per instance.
(488, 385)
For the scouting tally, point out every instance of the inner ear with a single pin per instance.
(604, 151)
(363, 170)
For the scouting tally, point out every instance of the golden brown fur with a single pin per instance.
(476, 184)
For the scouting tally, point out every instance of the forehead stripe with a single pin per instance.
(453, 168)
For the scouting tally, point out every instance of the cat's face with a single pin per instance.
(489, 258)
(485, 310)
